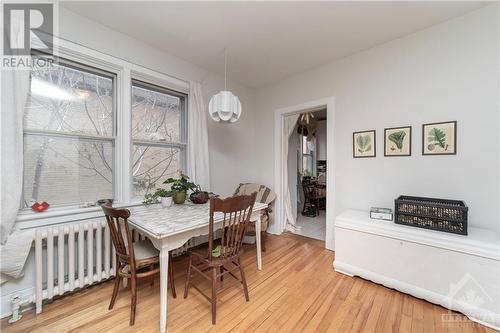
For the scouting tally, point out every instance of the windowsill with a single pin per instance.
(29, 219)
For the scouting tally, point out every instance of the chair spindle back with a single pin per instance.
(236, 216)
(121, 235)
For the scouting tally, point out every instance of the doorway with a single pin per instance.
(307, 169)
(286, 216)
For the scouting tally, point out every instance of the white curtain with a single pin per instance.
(14, 92)
(289, 125)
(15, 246)
(198, 160)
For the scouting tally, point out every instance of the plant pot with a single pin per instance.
(179, 197)
(199, 197)
(166, 201)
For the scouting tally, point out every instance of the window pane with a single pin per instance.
(156, 116)
(66, 99)
(66, 170)
(153, 165)
(307, 165)
(304, 145)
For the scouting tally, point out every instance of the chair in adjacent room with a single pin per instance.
(311, 199)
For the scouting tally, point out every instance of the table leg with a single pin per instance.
(163, 288)
(259, 245)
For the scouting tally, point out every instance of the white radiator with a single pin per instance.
(74, 256)
(77, 255)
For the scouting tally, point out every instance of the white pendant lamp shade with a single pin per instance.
(225, 106)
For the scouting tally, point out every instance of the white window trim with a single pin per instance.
(124, 71)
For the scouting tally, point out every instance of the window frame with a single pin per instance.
(124, 70)
(183, 135)
(85, 67)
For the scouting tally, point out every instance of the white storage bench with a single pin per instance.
(461, 273)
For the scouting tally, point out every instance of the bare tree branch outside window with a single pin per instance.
(69, 135)
(156, 124)
(62, 164)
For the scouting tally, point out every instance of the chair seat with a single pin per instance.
(144, 249)
(202, 255)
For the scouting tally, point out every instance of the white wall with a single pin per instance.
(231, 146)
(446, 72)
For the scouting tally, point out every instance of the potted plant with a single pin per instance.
(164, 195)
(198, 196)
(179, 187)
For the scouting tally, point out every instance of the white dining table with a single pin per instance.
(171, 227)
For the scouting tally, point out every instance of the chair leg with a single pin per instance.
(221, 273)
(115, 291)
(116, 287)
(243, 280)
(263, 237)
(133, 291)
(171, 281)
(188, 277)
(214, 294)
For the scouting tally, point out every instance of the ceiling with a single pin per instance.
(267, 41)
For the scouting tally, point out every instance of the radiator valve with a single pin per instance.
(15, 304)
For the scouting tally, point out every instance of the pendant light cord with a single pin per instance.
(225, 69)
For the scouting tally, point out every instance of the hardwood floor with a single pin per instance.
(297, 291)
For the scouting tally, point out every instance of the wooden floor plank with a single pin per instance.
(298, 291)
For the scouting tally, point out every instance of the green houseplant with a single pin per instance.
(164, 195)
(179, 187)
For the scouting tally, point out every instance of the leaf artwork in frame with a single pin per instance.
(397, 138)
(439, 138)
(364, 144)
(397, 141)
(436, 137)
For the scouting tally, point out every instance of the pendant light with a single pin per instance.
(225, 106)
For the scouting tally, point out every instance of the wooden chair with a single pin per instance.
(134, 260)
(264, 195)
(223, 258)
(311, 200)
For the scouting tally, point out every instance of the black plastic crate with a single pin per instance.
(430, 213)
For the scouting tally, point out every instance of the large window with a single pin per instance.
(72, 142)
(158, 135)
(69, 138)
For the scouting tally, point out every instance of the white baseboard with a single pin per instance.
(478, 315)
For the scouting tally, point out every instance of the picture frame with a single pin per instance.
(397, 141)
(364, 144)
(439, 138)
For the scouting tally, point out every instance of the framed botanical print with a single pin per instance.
(439, 138)
(397, 141)
(363, 144)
